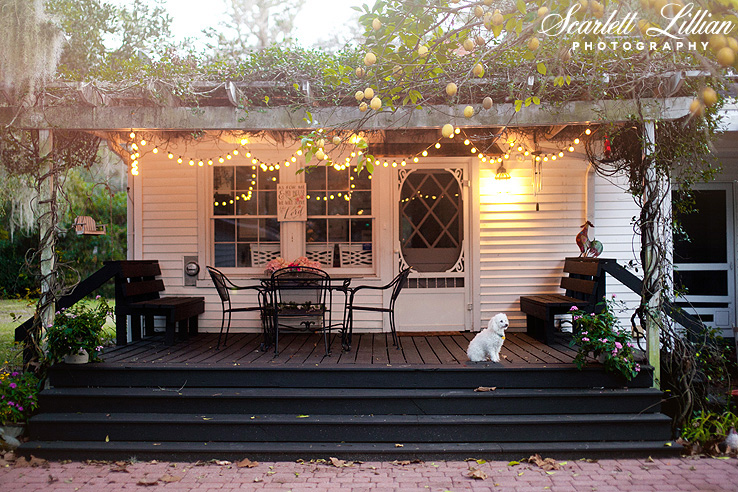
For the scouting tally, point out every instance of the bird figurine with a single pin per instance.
(595, 249)
(583, 240)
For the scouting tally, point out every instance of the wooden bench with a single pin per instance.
(585, 288)
(137, 294)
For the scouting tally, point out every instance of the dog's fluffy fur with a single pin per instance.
(488, 342)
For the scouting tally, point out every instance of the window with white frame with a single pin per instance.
(245, 229)
(340, 224)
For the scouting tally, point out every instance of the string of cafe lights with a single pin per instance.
(242, 150)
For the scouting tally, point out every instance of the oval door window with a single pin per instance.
(431, 222)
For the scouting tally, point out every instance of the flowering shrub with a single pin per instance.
(280, 262)
(601, 334)
(18, 396)
(75, 329)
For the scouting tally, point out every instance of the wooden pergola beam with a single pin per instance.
(123, 118)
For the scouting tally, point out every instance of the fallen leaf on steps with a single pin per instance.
(170, 478)
(146, 482)
(477, 474)
(339, 463)
(485, 388)
(247, 463)
(545, 464)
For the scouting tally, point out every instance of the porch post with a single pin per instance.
(655, 246)
(46, 217)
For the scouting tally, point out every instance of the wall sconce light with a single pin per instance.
(502, 173)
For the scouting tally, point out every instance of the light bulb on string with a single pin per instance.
(156, 150)
(170, 155)
(587, 131)
(576, 141)
(438, 145)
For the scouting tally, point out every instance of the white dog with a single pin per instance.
(488, 342)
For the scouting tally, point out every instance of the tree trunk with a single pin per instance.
(47, 220)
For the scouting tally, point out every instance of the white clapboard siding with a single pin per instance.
(613, 219)
(522, 250)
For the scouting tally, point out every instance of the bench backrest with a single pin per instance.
(136, 281)
(586, 280)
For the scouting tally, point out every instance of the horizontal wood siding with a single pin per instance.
(522, 250)
(615, 209)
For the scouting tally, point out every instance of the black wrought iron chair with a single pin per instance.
(300, 293)
(223, 285)
(396, 285)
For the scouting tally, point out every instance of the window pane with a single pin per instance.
(361, 230)
(245, 177)
(248, 230)
(267, 203)
(315, 179)
(268, 230)
(338, 230)
(338, 180)
(315, 231)
(222, 179)
(361, 181)
(267, 179)
(246, 204)
(361, 203)
(337, 205)
(244, 255)
(223, 203)
(225, 231)
(316, 204)
(225, 255)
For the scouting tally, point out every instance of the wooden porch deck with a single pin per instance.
(375, 350)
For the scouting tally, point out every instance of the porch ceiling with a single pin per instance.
(119, 118)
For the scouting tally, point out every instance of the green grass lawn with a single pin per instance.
(13, 312)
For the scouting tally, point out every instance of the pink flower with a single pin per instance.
(585, 339)
(13, 385)
(618, 345)
(574, 308)
(613, 296)
(638, 368)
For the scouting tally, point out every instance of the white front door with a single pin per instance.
(431, 231)
(704, 260)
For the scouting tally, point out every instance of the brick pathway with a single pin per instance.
(662, 475)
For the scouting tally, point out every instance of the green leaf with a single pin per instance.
(513, 463)
(296, 86)
(568, 80)
(519, 27)
(528, 56)
(518, 105)
(521, 6)
(528, 100)
(497, 30)
(559, 81)
(536, 100)
(541, 67)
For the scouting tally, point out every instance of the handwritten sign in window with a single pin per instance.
(291, 205)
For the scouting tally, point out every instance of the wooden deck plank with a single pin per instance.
(367, 349)
(381, 345)
(410, 351)
(451, 344)
(441, 351)
(426, 353)
(364, 348)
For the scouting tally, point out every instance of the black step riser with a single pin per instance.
(306, 431)
(192, 451)
(462, 405)
(391, 377)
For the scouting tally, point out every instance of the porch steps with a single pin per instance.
(280, 413)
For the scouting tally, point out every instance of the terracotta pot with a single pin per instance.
(81, 357)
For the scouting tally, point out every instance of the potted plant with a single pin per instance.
(601, 335)
(18, 399)
(76, 334)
